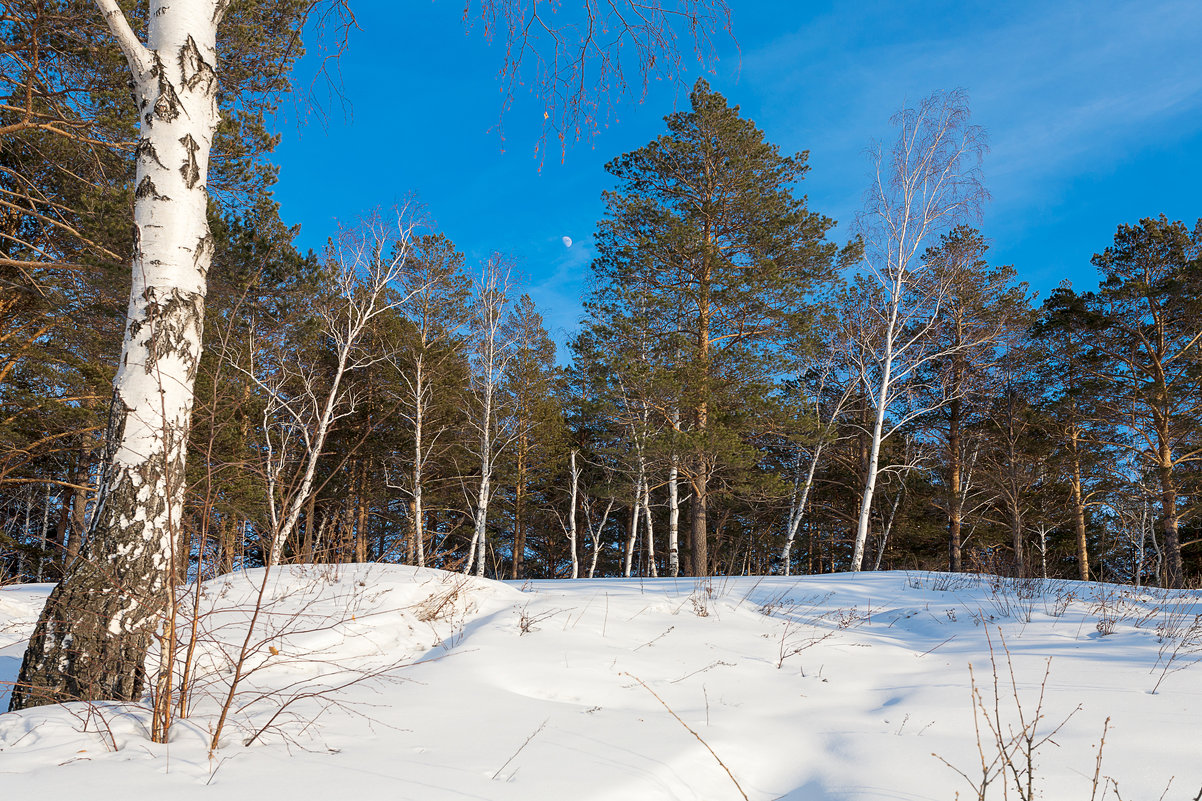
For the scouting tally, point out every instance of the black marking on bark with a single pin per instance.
(203, 256)
(167, 107)
(175, 322)
(190, 170)
(146, 189)
(146, 151)
(114, 431)
(194, 69)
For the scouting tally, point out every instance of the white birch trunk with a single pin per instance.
(632, 531)
(595, 535)
(419, 456)
(122, 580)
(175, 83)
(674, 518)
(492, 355)
(484, 496)
(874, 451)
(572, 531)
(880, 554)
(45, 535)
(651, 568)
(801, 494)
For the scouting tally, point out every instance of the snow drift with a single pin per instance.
(394, 682)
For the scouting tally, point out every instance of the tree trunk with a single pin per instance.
(572, 529)
(955, 501)
(79, 515)
(519, 531)
(888, 527)
(309, 543)
(418, 545)
(1079, 512)
(698, 509)
(595, 535)
(651, 568)
(632, 530)
(698, 552)
(479, 535)
(1016, 539)
(874, 456)
(226, 565)
(92, 638)
(1168, 498)
(801, 494)
(63, 526)
(673, 519)
(362, 517)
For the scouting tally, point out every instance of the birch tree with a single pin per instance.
(437, 310)
(92, 639)
(927, 182)
(572, 527)
(492, 350)
(824, 393)
(302, 405)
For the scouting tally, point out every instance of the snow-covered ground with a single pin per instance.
(385, 682)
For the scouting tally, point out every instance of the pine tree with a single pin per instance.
(534, 421)
(1080, 433)
(981, 309)
(1148, 357)
(707, 250)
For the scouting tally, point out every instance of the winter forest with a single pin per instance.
(752, 388)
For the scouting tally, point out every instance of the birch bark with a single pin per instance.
(801, 495)
(92, 638)
(492, 355)
(572, 530)
(929, 181)
(674, 519)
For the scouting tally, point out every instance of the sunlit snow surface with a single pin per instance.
(852, 686)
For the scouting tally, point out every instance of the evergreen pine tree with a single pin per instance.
(706, 248)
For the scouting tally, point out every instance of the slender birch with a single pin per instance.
(646, 502)
(632, 527)
(437, 310)
(491, 357)
(574, 500)
(594, 532)
(929, 181)
(367, 269)
(673, 517)
(828, 397)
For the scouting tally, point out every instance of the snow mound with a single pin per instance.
(406, 683)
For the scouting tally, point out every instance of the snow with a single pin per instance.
(407, 683)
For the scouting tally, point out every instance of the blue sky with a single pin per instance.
(1094, 114)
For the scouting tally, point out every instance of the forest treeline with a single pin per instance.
(746, 393)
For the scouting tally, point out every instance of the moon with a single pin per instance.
(567, 241)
